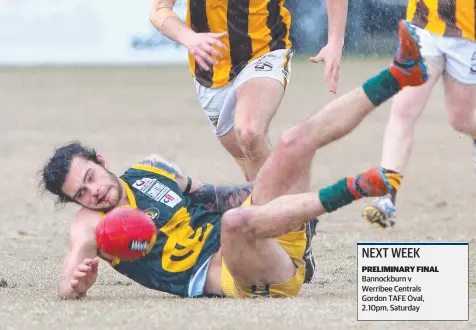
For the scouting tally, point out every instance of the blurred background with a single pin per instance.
(368, 21)
(119, 31)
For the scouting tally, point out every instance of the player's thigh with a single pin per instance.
(287, 170)
(254, 261)
(249, 262)
(460, 101)
(459, 79)
(257, 101)
(260, 88)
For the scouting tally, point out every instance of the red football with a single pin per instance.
(126, 233)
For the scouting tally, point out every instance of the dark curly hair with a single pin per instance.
(53, 173)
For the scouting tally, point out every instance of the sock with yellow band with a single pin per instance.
(393, 179)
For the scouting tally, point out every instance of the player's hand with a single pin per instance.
(84, 276)
(204, 47)
(331, 56)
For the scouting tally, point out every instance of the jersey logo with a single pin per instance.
(152, 212)
(157, 191)
(214, 120)
(170, 199)
(263, 66)
(213, 115)
(143, 184)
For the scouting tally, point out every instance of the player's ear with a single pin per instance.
(102, 160)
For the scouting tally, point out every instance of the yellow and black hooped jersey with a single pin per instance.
(255, 27)
(187, 234)
(452, 18)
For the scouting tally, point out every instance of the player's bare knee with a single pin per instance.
(239, 222)
(289, 139)
(235, 220)
(249, 137)
(293, 141)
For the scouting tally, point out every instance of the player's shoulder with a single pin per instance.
(159, 162)
(85, 219)
(83, 225)
(85, 213)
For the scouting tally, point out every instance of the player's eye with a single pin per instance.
(80, 193)
(91, 177)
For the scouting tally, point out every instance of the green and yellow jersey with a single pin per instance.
(188, 234)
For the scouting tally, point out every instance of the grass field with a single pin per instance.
(127, 113)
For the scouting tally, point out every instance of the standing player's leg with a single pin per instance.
(452, 58)
(218, 105)
(460, 105)
(240, 112)
(250, 253)
(257, 101)
(459, 81)
(259, 90)
(406, 109)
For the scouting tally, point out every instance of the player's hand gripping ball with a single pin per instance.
(126, 233)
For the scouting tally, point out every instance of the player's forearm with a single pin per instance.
(166, 22)
(337, 16)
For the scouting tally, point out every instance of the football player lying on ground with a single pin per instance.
(242, 241)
